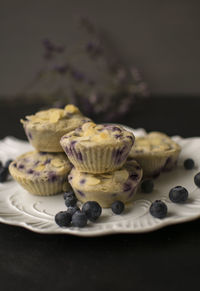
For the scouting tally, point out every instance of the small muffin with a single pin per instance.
(106, 188)
(96, 148)
(41, 173)
(45, 128)
(155, 152)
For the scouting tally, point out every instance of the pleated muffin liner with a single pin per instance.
(124, 190)
(153, 165)
(38, 186)
(97, 159)
(44, 141)
(105, 199)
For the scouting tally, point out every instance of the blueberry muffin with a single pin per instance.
(96, 148)
(106, 188)
(155, 152)
(41, 173)
(45, 128)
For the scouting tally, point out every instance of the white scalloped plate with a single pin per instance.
(36, 213)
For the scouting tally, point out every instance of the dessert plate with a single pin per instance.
(36, 213)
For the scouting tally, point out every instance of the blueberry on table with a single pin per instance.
(3, 174)
(197, 179)
(158, 209)
(70, 200)
(117, 207)
(79, 219)
(147, 186)
(63, 218)
(189, 164)
(92, 210)
(178, 194)
(72, 209)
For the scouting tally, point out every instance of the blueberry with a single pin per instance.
(178, 194)
(197, 179)
(92, 209)
(188, 164)
(63, 218)
(70, 192)
(158, 209)
(72, 209)
(8, 163)
(79, 219)
(147, 186)
(3, 174)
(117, 207)
(70, 199)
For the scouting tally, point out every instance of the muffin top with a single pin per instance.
(90, 134)
(56, 118)
(120, 180)
(42, 165)
(154, 143)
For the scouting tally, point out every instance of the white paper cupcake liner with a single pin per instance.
(39, 186)
(97, 159)
(153, 165)
(105, 199)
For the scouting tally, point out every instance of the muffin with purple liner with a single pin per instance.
(94, 148)
(155, 152)
(41, 173)
(109, 187)
(45, 128)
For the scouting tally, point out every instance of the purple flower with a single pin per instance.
(48, 45)
(78, 76)
(48, 55)
(60, 48)
(62, 69)
(90, 46)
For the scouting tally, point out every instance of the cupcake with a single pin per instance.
(106, 188)
(41, 173)
(155, 152)
(45, 128)
(94, 148)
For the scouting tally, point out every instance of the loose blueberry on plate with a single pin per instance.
(197, 179)
(117, 207)
(92, 210)
(3, 174)
(70, 200)
(147, 186)
(178, 194)
(189, 164)
(70, 192)
(8, 163)
(72, 209)
(79, 219)
(63, 218)
(158, 209)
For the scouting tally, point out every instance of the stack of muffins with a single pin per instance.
(44, 171)
(101, 173)
(101, 162)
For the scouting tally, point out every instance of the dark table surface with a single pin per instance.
(167, 259)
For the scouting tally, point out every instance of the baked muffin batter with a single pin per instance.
(106, 188)
(96, 148)
(45, 128)
(155, 152)
(41, 173)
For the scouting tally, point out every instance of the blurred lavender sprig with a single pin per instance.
(95, 79)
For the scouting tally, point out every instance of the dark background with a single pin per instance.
(160, 37)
